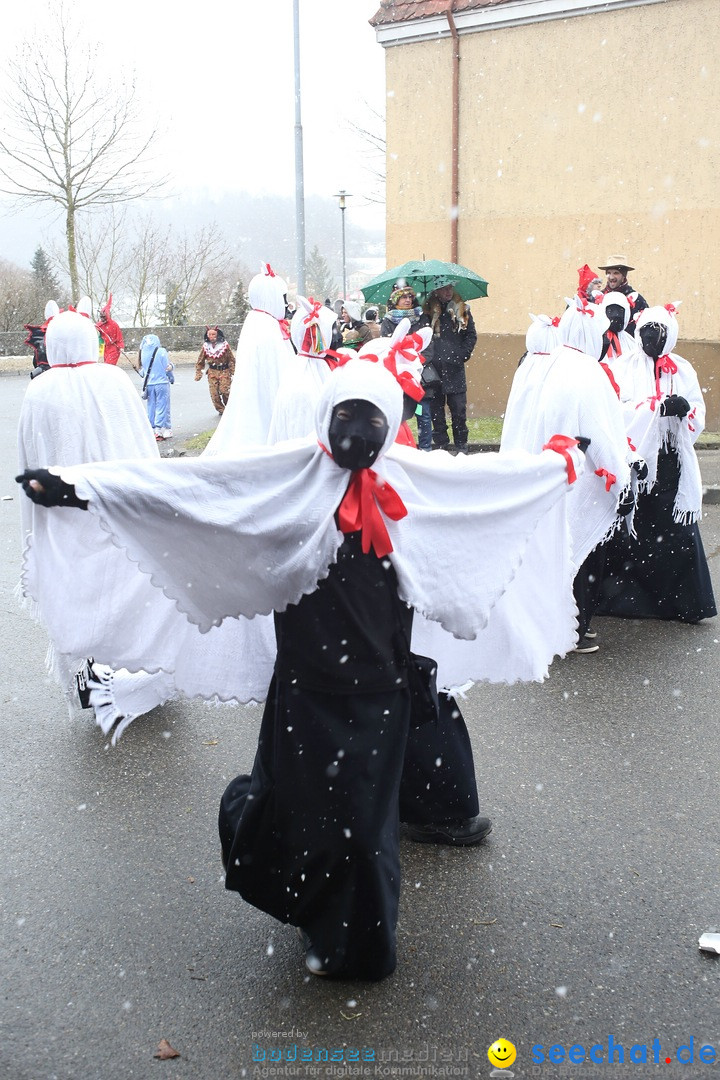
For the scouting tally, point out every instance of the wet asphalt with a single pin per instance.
(576, 922)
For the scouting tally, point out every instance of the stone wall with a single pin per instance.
(174, 338)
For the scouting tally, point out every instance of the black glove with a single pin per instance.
(626, 503)
(640, 469)
(583, 443)
(55, 491)
(674, 405)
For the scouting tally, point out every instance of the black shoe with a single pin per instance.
(312, 961)
(456, 833)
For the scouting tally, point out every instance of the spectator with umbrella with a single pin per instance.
(448, 287)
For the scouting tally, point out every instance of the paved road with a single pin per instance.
(577, 921)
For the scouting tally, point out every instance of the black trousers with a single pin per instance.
(457, 404)
(587, 588)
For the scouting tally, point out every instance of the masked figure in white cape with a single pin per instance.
(336, 535)
(616, 339)
(566, 389)
(264, 357)
(659, 569)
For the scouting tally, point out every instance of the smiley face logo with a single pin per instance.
(502, 1054)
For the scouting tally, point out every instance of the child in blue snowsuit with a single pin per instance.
(157, 373)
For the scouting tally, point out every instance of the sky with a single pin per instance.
(220, 87)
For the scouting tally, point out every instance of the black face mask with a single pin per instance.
(616, 315)
(358, 430)
(654, 338)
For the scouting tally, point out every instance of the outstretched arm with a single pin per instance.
(46, 489)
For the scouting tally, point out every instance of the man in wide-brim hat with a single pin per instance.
(617, 269)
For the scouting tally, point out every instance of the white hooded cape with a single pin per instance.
(77, 411)
(481, 551)
(263, 359)
(568, 391)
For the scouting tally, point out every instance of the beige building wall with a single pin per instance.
(579, 138)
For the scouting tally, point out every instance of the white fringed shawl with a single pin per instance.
(647, 430)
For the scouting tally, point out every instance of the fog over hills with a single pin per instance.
(256, 228)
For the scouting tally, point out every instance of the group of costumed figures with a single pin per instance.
(642, 402)
(312, 558)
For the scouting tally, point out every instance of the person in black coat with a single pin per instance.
(454, 338)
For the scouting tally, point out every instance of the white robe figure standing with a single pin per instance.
(264, 358)
(565, 389)
(78, 411)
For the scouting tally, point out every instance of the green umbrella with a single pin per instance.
(424, 275)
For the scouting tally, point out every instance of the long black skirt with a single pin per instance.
(311, 837)
(663, 573)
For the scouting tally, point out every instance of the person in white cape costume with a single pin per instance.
(566, 389)
(264, 357)
(80, 410)
(660, 570)
(285, 515)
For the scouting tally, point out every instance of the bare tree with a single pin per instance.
(149, 263)
(103, 254)
(372, 133)
(196, 263)
(69, 138)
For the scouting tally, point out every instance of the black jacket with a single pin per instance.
(451, 350)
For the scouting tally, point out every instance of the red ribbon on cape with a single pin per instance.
(367, 494)
(664, 364)
(365, 497)
(614, 347)
(334, 359)
(314, 312)
(562, 444)
(609, 478)
(611, 377)
(282, 323)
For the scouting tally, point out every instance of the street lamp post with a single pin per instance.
(342, 196)
(299, 172)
